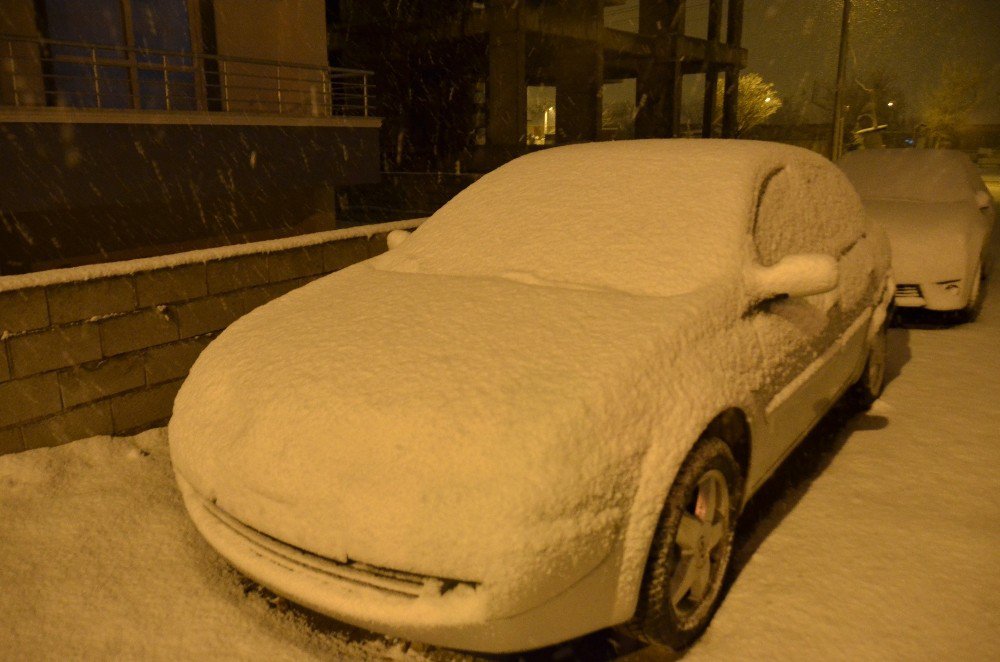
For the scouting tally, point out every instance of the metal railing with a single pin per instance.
(45, 72)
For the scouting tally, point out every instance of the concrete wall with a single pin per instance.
(18, 17)
(83, 355)
(283, 30)
(81, 192)
(286, 30)
(20, 75)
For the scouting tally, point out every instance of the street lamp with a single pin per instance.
(837, 140)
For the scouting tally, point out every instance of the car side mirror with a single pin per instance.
(395, 238)
(794, 276)
(983, 199)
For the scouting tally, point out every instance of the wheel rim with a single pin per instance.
(701, 544)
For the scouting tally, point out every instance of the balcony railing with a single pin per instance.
(45, 72)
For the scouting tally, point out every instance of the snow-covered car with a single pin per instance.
(938, 214)
(542, 412)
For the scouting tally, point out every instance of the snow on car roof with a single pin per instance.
(470, 395)
(920, 175)
(666, 215)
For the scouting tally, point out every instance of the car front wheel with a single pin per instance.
(691, 548)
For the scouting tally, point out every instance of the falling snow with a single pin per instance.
(884, 547)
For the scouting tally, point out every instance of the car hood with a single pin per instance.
(930, 241)
(470, 428)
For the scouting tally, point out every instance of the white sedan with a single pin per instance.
(541, 413)
(938, 214)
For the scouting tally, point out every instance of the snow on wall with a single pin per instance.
(129, 267)
(103, 348)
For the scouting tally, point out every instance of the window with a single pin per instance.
(80, 76)
(121, 75)
(541, 115)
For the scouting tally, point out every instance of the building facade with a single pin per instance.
(469, 84)
(139, 127)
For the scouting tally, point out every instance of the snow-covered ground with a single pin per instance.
(879, 541)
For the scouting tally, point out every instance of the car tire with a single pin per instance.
(691, 548)
(869, 386)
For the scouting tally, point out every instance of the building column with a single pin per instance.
(21, 82)
(658, 84)
(506, 95)
(580, 74)
(711, 71)
(730, 99)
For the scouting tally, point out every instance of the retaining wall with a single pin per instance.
(81, 183)
(103, 349)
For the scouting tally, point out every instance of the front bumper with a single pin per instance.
(944, 295)
(440, 611)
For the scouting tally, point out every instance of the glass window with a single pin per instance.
(162, 25)
(541, 115)
(85, 76)
(81, 76)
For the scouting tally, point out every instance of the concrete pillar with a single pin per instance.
(734, 37)
(658, 85)
(20, 66)
(711, 71)
(579, 75)
(506, 95)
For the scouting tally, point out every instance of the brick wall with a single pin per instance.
(82, 355)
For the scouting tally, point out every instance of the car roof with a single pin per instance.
(920, 175)
(646, 216)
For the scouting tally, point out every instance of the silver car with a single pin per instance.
(541, 413)
(939, 216)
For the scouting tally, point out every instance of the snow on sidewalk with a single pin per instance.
(890, 554)
(99, 561)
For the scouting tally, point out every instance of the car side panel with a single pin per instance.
(793, 412)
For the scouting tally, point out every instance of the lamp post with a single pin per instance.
(837, 140)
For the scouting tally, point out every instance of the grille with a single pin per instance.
(397, 582)
(909, 291)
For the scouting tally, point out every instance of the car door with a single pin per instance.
(811, 345)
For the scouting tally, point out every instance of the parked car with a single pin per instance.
(542, 412)
(938, 214)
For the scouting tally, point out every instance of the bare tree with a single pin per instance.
(758, 100)
(618, 119)
(872, 101)
(950, 102)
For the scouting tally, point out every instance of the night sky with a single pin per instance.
(793, 43)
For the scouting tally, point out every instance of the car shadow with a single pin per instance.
(898, 353)
(779, 495)
(919, 318)
(761, 516)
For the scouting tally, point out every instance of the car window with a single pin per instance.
(919, 175)
(802, 208)
(642, 217)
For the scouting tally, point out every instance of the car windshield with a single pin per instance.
(629, 217)
(920, 175)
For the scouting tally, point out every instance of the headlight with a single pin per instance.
(950, 286)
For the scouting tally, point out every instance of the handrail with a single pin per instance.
(36, 72)
(189, 54)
